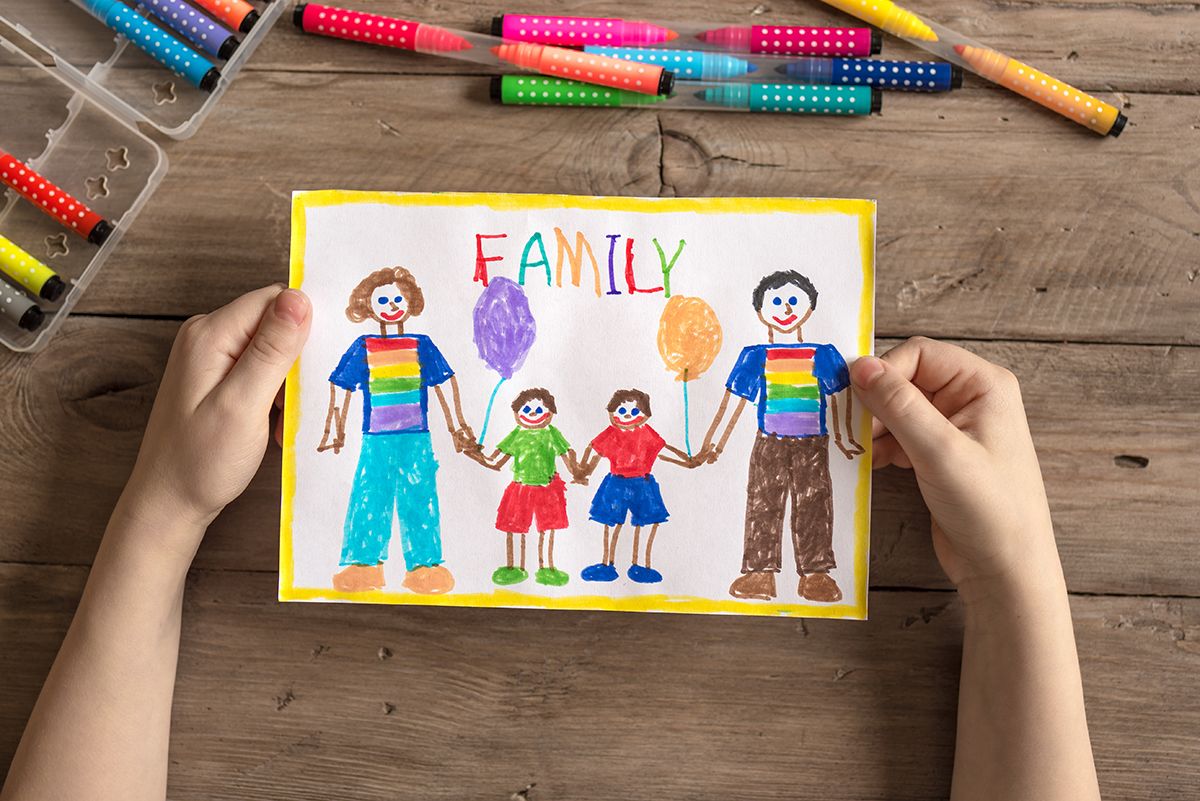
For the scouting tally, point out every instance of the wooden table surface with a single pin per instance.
(1070, 258)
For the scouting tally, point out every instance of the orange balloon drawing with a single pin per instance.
(689, 337)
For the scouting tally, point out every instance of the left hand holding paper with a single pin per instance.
(210, 423)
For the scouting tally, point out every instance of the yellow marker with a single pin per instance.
(888, 16)
(1044, 89)
(30, 273)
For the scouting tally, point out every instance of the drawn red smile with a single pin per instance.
(534, 420)
(626, 423)
(791, 318)
(393, 316)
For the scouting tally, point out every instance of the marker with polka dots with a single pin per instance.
(793, 40)
(480, 48)
(580, 31)
(790, 98)
(24, 269)
(19, 308)
(53, 199)
(237, 14)
(208, 35)
(901, 76)
(155, 42)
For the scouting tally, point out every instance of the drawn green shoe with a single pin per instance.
(551, 576)
(509, 575)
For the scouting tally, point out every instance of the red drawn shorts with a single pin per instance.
(522, 504)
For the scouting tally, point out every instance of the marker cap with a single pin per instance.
(228, 48)
(209, 81)
(876, 41)
(494, 88)
(666, 82)
(53, 289)
(1118, 125)
(876, 100)
(298, 15)
(32, 319)
(956, 74)
(100, 232)
(498, 25)
(248, 22)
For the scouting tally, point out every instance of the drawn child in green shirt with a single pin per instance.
(537, 494)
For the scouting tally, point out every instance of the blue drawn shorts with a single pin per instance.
(619, 496)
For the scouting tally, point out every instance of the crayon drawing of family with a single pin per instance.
(798, 389)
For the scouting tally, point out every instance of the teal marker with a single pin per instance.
(688, 65)
(794, 98)
(155, 42)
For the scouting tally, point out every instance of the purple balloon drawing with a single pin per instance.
(504, 333)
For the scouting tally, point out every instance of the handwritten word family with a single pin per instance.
(622, 272)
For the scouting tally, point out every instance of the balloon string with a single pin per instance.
(487, 416)
(687, 422)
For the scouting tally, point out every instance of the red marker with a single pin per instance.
(359, 26)
(53, 199)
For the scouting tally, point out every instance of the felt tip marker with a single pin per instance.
(19, 308)
(236, 14)
(795, 98)
(208, 35)
(155, 42)
(793, 40)
(35, 277)
(491, 51)
(688, 65)
(53, 199)
(580, 31)
(901, 76)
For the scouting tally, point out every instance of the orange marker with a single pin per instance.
(1044, 89)
(237, 14)
(635, 76)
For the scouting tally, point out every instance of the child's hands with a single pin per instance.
(958, 422)
(209, 427)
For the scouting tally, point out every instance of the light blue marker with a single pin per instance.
(688, 65)
(155, 42)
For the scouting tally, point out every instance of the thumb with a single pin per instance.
(922, 431)
(254, 380)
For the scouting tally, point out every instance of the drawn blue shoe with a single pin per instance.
(599, 572)
(644, 575)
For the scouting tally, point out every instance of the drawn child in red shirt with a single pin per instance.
(628, 491)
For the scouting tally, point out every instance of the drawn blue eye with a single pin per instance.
(397, 299)
(526, 410)
(778, 301)
(792, 300)
(538, 410)
(622, 411)
(635, 411)
(382, 299)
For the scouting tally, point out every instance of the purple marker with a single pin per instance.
(208, 35)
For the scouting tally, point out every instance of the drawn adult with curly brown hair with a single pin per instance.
(397, 470)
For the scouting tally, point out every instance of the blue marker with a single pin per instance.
(155, 42)
(903, 76)
(688, 65)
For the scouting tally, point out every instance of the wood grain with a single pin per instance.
(307, 701)
(75, 413)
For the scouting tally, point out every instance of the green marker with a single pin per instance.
(792, 98)
(531, 90)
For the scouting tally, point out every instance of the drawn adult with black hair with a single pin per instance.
(793, 383)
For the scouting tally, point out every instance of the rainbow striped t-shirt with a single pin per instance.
(394, 374)
(789, 383)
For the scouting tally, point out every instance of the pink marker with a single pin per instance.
(579, 31)
(794, 40)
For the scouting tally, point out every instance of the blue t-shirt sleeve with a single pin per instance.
(829, 368)
(351, 372)
(746, 378)
(434, 368)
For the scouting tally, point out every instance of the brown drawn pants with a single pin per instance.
(783, 468)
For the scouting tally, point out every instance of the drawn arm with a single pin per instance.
(710, 451)
(456, 424)
(335, 421)
(673, 455)
(584, 466)
(493, 461)
(847, 444)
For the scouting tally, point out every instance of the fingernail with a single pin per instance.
(865, 370)
(292, 306)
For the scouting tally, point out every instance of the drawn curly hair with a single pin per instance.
(535, 392)
(359, 307)
(636, 396)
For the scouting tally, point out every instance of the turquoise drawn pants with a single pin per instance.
(396, 472)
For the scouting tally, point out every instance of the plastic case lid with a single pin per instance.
(119, 76)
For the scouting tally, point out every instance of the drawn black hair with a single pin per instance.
(783, 278)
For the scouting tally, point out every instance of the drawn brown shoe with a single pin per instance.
(429, 580)
(759, 586)
(819, 587)
(358, 578)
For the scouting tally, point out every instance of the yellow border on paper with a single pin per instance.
(863, 210)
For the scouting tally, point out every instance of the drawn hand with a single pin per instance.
(580, 477)
(464, 440)
(336, 445)
(851, 450)
(210, 423)
(958, 422)
(707, 455)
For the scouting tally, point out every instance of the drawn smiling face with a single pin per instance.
(534, 413)
(785, 309)
(388, 304)
(628, 414)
